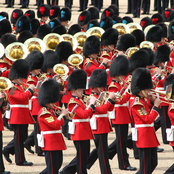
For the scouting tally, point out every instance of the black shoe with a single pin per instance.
(62, 172)
(5, 172)
(4, 3)
(155, 9)
(6, 155)
(19, 4)
(9, 6)
(80, 10)
(128, 12)
(35, 4)
(130, 168)
(24, 7)
(41, 154)
(25, 163)
(143, 13)
(134, 16)
(28, 148)
(159, 149)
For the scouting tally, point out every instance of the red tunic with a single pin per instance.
(81, 119)
(1, 122)
(143, 117)
(48, 122)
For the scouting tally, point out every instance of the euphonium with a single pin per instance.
(95, 31)
(133, 26)
(122, 28)
(75, 60)
(131, 51)
(147, 44)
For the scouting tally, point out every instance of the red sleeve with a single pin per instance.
(105, 107)
(21, 96)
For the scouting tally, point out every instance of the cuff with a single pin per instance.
(156, 109)
(111, 101)
(30, 91)
(104, 65)
(93, 108)
(64, 118)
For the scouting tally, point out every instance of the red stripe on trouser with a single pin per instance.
(19, 144)
(144, 162)
(51, 163)
(121, 147)
(80, 158)
(103, 155)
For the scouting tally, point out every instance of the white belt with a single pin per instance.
(131, 98)
(81, 120)
(33, 97)
(51, 132)
(19, 106)
(107, 69)
(172, 127)
(101, 115)
(144, 125)
(160, 88)
(118, 105)
(88, 78)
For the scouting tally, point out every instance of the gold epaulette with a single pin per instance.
(72, 101)
(172, 106)
(112, 85)
(44, 111)
(105, 53)
(30, 79)
(137, 102)
(88, 63)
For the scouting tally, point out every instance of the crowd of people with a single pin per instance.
(101, 71)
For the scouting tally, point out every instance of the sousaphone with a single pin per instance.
(15, 51)
(35, 44)
(95, 31)
(147, 44)
(52, 40)
(133, 26)
(121, 28)
(75, 60)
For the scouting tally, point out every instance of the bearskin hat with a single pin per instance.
(54, 11)
(3, 14)
(116, 19)
(106, 23)
(35, 60)
(138, 59)
(7, 39)
(168, 15)
(49, 92)
(145, 22)
(108, 12)
(127, 19)
(164, 27)
(64, 50)
(24, 36)
(119, 66)
(156, 18)
(154, 34)
(77, 80)
(162, 54)
(23, 23)
(34, 25)
(109, 37)
(43, 10)
(94, 12)
(5, 27)
(98, 78)
(54, 23)
(15, 15)
(92, 23)
(141, 79)
(50, 59)
(60, 29)
(91, 46)
(65, 14)
(139, 35)
(84, 18)
(30, 14)
(19, 69)
(43, 30)
(126, 41)
(171, 30)
(74, 29)
(115, 8)
(168, 81)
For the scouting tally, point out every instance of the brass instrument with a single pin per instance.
(95, 31)
(71, 39)
(52, 40)
(121, 28)
(131, 51)
(2, 50)
(35, 44)
(75, 60)
(15, 51)
(147, 44)
(148, 28)
(133, 26)
(86, 99)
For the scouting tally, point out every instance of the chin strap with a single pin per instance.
(144, 93)
(98, 89)
(78, 93)
(111, 48)
(120, 78)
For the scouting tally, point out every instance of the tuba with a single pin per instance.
(133, 26)
(52, 40)
(71, 39)
(146, 44)
(121, 28)
(131, 51)
(15, 51)
(75, 60)
(35, 44)
(95, 31)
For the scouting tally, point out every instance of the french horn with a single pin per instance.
(133, 26)
(35, 44)
(147, 44)
(15, 51)
(121, 28)
(71, 39)
(95, 31)
(1, 50)
(75, 60)
(52, 40)
(131, 51)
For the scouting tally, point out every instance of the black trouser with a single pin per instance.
(136, 7)
(116, 2)
(54, 2)
(2, 168)
(10, 2)
(16, 145)
(98, 4)
(68, 3)
(121, 131)
(170, 170)
(83, 4)
(155, 5)
(25, 3)
(40, 2)
(148, 160)
(129, 7)
(146, 6)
